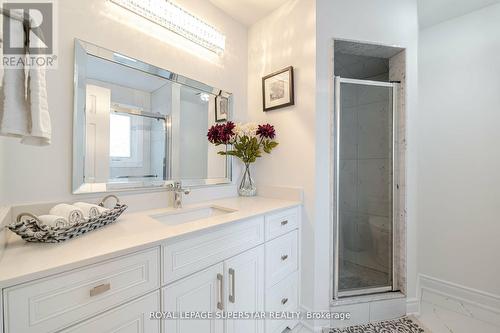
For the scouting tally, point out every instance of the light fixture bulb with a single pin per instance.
(172, 17)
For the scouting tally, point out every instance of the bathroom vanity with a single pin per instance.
(225, 256)
(137, 126)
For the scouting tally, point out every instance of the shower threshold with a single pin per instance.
(367, 298)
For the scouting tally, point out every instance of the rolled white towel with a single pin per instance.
(54, 221)
(90, 210)
(71, 213)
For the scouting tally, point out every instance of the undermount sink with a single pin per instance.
(191, 214)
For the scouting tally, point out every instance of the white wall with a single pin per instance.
(284, 38)
(459, 158)
(44, 174)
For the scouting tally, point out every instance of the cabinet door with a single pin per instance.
(245, 289)
(201, 292)
(132, 317)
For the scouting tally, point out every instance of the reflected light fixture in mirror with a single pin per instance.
(170, 16)
(204, 97)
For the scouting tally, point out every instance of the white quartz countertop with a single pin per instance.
(22, 261)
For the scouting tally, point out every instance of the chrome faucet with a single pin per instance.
(176, 187)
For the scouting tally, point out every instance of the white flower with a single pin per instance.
(248, 129)
(238, 129)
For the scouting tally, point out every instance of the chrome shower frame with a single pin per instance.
(336, 294)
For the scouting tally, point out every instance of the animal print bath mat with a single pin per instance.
(402, 325)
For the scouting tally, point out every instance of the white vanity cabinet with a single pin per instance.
(248, 266)
(245, 289)
(235, 285)
(203, 292)
(50, 304)
(133, 317)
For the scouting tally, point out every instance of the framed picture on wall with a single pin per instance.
(277, 89)
(221, 108)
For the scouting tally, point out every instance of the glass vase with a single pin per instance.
(247, 186)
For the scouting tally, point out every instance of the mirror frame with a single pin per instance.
(83, 49)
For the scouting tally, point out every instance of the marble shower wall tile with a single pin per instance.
(349, 133)
(355, 233)
(349, 96)
(348, 185)
(359, 67)
(374, 130)
(373, 187)
(372, 94)
(397, 72)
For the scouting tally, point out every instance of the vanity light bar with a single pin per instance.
(176, 19)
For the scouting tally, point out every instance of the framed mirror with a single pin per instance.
(138, 126)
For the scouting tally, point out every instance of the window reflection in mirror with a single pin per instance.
(125, 117)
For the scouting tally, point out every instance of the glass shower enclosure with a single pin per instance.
(365, 113)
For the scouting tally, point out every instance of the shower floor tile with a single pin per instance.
(353, 276)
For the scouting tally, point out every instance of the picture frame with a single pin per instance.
(278, 89)
(221, 108)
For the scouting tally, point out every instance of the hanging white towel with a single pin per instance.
(25, 112)
(14, 111)
(40, 131)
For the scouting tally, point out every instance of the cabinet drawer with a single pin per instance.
(280, 223)
(282, 297)
(186, 256)
(281, 257)
(53, 303)
(132, 317)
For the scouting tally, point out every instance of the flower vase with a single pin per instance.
(247, 186)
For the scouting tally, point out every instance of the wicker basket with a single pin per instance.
(31, 229)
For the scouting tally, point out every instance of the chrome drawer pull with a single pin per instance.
(284, 257)
(100, 289)
(284, 301)
(285, 222)
(220, 304)
(232, 280)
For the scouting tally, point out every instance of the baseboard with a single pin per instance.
(463, 300)
(412, 306)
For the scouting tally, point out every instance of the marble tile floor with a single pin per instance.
(442, 320)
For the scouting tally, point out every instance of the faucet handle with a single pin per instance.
(177, 187)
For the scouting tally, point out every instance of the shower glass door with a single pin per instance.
(364, 187)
